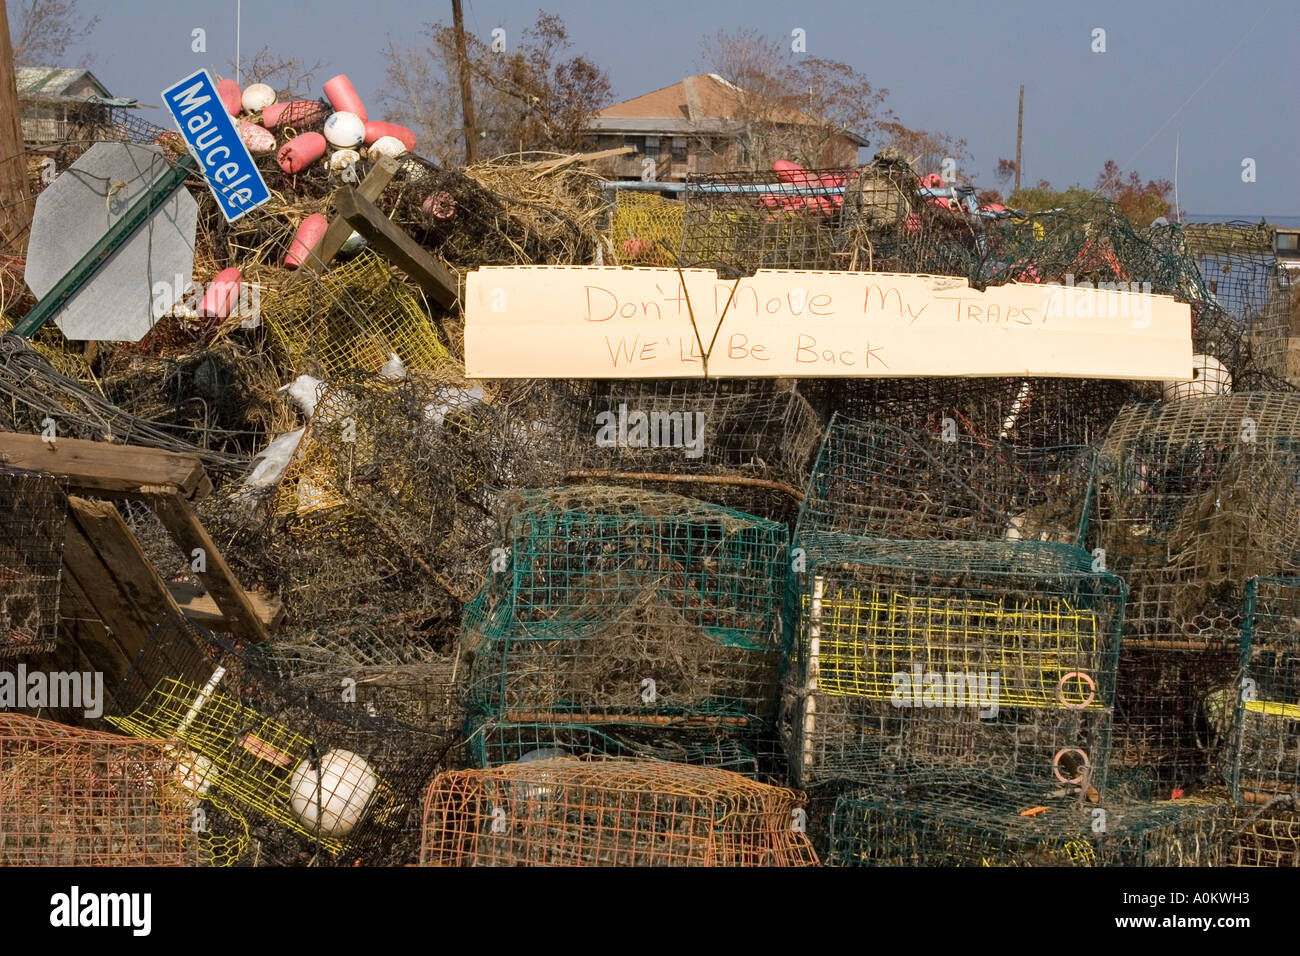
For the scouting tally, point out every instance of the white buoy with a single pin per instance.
(333, 800)
(344, 130)
(1209, 377)
(257, 97)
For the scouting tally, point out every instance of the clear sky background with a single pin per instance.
(1223, 74)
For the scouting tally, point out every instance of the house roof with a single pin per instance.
(53, 83)
(702, 103)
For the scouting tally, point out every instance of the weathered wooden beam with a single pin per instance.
(200, 608)
(101, 468)
(339, 229)
(391, 241)
(229, 595)
(126, 561)
(95, 596)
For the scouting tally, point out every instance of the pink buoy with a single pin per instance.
(342, 96)
(257, 139)
(792, 173)
(375, 129)
(222, 294)
(231, 95)
(293, 113)
(301, 151)
(309, 233)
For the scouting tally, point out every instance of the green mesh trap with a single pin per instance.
(616, 605)
(1000, 826)
(1266, 729)
(941, 660)
(1171, 733)
(1194, 497)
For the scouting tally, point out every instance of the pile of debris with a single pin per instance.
(357, 607)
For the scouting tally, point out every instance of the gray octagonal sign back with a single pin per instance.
(141, 279)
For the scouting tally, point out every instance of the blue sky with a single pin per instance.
(1223, 76)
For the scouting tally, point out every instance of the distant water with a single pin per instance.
(1288, 221)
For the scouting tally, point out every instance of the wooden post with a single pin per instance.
(15, 200)
(466, 95)
(339, 229)
(391, 241)
(1020, 129)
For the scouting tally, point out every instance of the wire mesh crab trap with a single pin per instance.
(616, 604)
(352, 319)
(645, 229)
(628, 622)
(421, 462)
(1264, 837)
(1171, 730)
(1025, 413)
(739, 222)
(942, 660)
(871, 479)
(1266, 731)
(568, 812)
(1001, 826)
(32, 516)
(1194, 497)
(325, 781)
(493, 742)
(1238, 263)
(75, 797)
(743, 444)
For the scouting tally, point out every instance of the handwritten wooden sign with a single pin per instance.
(612, 322)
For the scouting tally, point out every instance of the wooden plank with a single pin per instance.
(199, 607)
(105, 599)
(117, 547)
(391, 240)
(102, 468)
(339, 229)
(551, 166)
(188, 532)
(102, 646)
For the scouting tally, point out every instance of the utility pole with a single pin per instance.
(15, 204)
(466, 98)
(1020, 130)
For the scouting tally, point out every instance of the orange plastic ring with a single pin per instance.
(1060, 690)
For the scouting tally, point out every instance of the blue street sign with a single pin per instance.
(214, 140)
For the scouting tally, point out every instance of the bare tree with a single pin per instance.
(287, 75)
(43, 31)
(929, 152)
(530, 95)
(788, 107)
